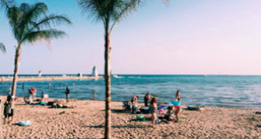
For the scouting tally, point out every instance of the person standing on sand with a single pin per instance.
(67, 92)
(177, 108)
(153, 110)
(7, 111)
(146, 99)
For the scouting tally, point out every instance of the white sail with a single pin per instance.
(94, 72)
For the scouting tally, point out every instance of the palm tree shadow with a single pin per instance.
(119, 111)
(120, 126)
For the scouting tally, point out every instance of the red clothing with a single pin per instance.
(134, 98)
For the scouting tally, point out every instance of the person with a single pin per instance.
(30, 97)
(67, 92)
(42, 95)
(134, 102)
(168, 115)
(7, 110)
(11, 114)
(33, 90)
(153, 110)
(146, 99)
(23, 86)
(9, 96)
(177, 108)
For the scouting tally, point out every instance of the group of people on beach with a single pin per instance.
(172, 111)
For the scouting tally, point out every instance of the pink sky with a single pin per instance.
(187, 37)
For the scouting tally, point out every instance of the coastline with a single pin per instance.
(87, 118)
(49, 78)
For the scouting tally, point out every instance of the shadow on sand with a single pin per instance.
(120, 126)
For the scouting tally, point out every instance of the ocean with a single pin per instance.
(207, 90)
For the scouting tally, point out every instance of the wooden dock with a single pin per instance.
(49, 78)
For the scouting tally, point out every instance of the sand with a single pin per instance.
(87, 121)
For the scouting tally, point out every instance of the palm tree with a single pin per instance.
(2, 47)
(109, 12)
(30, 23)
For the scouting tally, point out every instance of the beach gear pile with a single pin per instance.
(195, 107)
(140, 117)
(25, 123)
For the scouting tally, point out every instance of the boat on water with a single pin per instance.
(115, 76)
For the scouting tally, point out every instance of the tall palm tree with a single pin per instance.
(109, 12)
(30, 23)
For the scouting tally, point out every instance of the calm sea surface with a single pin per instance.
(211, 90)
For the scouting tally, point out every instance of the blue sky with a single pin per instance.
(186, 37)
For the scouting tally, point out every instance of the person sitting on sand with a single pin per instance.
(134, 102)
(67, 92)
(153, 110)
(30, 96)
(146, 99)
(177, 108)
(169, 113)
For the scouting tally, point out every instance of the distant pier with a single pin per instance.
(49, 78)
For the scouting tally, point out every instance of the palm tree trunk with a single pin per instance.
(17, 59)
(107, 84)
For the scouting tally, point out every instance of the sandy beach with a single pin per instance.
(86, 120)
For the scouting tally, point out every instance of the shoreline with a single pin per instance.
(49, 78)
(141, 103)
(86, 120)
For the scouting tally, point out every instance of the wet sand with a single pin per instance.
(86, 120)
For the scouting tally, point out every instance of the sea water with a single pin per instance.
(208, 90)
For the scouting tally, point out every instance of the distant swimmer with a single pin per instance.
(67, 92)
(23, 86)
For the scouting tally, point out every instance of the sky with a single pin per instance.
(185, 37)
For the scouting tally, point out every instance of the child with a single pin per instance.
(168, 115)
(7, 110)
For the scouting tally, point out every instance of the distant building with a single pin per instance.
(94, 71)
(39, 73)
(79, 74)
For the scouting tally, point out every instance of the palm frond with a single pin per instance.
(2, 47)
(96, 9)
(51, 19)
(127, 7)
(31, 22)
(44, 34)
(14, 16)
(5, 4)
(31, 13)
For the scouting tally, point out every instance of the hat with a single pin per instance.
(33, 90)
